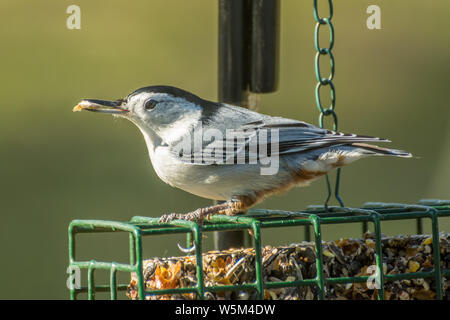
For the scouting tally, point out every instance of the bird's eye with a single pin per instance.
(150, 104)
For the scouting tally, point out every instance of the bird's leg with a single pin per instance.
(229, 208)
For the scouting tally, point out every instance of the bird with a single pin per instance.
(228, 153)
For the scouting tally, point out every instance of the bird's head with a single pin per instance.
(162, 110)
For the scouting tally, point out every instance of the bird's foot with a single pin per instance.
(229, 208)
(197, 216)
(201, 214)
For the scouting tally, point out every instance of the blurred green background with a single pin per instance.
(56, 166)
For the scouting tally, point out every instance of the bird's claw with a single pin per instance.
(168, 217)
(195, 216)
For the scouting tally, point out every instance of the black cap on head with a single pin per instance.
(173, 91)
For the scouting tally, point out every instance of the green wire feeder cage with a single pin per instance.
(255, 221)
(320, 279)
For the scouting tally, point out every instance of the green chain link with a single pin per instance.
(321, 82)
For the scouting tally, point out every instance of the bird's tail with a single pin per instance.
(376, 150)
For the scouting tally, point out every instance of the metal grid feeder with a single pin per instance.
(256, 220)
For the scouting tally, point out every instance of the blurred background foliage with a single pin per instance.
(56, 166)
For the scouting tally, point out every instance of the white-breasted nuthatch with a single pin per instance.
(224, 152)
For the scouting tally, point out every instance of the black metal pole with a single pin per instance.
(231, 51)
(248, 62)
(232, 82)
(264, 43)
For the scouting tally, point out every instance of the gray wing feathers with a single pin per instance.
(257, 132)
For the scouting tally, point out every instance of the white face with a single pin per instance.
(162, 114)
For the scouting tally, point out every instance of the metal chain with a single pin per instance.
(322, 81)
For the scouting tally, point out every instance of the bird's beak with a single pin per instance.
(115, 107)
